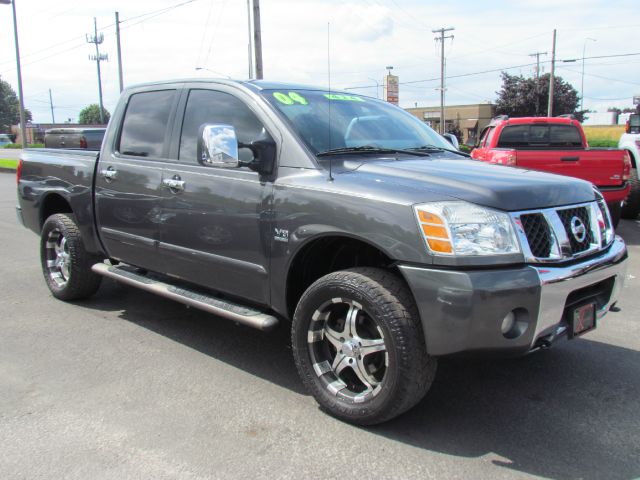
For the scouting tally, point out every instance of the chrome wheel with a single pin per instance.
(348, 350)
(58, 258)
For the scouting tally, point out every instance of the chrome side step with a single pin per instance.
(224, 308)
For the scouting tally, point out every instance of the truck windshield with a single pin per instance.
(330, 121)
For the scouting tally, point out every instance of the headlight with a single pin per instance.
(603, 219)
(465, 229)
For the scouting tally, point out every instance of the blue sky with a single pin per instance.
(365, 36)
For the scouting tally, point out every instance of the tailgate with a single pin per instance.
(603, 167)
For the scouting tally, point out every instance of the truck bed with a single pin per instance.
(49, 175)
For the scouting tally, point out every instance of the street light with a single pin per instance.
(584, 48)
(377, 86)
(23, 129)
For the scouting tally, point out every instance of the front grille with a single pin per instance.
(538, 234)
(567, 216)
(547, 235)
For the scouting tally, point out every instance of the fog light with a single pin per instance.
(508, 322)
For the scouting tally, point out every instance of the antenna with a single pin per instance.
(329, 81)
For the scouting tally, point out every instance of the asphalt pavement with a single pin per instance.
(130, 385)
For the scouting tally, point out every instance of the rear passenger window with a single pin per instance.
(565, 136)
(145, 123)
(515, 136)
(540, 136)
(211, 107)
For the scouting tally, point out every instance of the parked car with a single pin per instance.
(452, 139)
(4, 139)
(80, 138)
(556, 145)
(340, 215)
(630, 141)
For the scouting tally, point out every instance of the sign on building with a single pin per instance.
(636, 99)
(391, 89)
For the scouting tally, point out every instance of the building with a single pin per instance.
(468, 119)
(601, 118)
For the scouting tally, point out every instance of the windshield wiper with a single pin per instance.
(368, 149)
(434, 148)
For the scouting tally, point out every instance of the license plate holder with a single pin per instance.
(583, 319)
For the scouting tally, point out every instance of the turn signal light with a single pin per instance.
(435, 232)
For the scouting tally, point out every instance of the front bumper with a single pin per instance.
(463, 311)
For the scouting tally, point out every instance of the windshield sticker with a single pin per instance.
(347, 98)
(290, 98)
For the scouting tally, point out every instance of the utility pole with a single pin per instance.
(552, 76)
(537, 55)
(249, 50)
(257, 38)
(441, 38)
(120, 78)
(53, 117)
(98, 57)
(23, 127)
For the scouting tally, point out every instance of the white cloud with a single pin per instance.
(366, 35)
(364, 23)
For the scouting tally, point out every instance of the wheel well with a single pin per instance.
(326, 255)
(51, 205)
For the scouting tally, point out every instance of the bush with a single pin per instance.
(19, 145)
(603, 143)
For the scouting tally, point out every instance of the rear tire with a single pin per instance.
(631, 206)
(66, 264)
(359, 347)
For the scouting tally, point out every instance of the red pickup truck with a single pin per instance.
(556, 145)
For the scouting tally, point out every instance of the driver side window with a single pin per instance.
(212, 107)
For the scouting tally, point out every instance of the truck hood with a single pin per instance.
(496, 186)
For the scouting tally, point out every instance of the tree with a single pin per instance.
(10, 108)
(90, 115)
(526, 97)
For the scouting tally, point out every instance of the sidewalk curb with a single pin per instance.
(7, 170)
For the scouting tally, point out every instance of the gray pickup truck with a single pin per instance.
(338, 214)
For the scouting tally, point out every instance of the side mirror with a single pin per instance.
(218, 146)
(452, 139)
(264, 153)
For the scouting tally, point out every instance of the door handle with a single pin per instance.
(174, 183)
(569, 159)
(109, 174)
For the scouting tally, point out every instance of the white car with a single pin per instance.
(4, 139)
(630, 141)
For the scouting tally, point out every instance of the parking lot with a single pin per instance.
(130, 385)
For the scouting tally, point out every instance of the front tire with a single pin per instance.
(66, 264)
(359, 347)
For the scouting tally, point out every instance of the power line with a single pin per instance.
(150, 15)
(601, 76)
(493, 70)
(610, 99)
